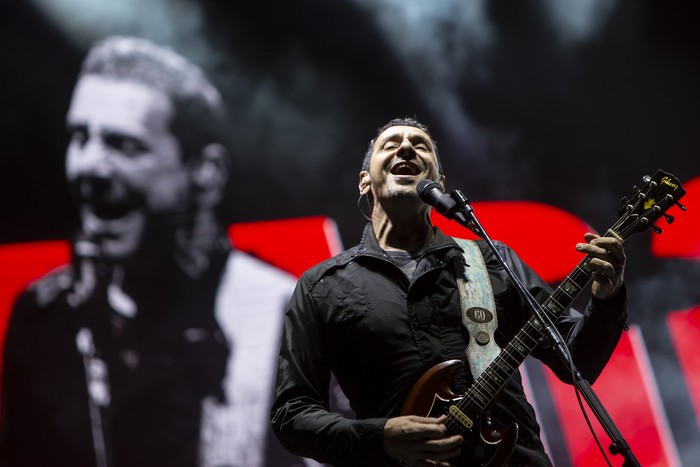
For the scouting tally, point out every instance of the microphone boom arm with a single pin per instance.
(455, 206)
(619, 445)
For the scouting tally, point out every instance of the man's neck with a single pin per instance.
(402, 233)
(195, 248)
(188, 249)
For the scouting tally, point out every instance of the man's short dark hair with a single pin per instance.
(199, 115)
(400, 121)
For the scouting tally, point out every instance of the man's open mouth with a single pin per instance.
(110, 211)
(107, 199)
(96, 224)
(405, 168)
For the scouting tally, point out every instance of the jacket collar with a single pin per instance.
(369, 245)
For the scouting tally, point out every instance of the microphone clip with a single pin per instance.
(463, 205)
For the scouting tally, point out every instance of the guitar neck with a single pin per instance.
(495, 376)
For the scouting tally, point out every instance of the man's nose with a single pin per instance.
(93, 159)
(91, 170)
(406, 149)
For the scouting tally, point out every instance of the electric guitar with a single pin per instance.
(485, 443)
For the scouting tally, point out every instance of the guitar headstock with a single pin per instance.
(651, 202)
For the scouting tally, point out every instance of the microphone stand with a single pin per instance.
(463, 213)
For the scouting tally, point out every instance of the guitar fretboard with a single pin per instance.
(493, 379)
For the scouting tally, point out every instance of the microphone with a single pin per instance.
(431, 193)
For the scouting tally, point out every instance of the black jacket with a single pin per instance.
(153, 416)
(357, 315)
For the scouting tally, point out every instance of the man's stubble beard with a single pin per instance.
(155, 247)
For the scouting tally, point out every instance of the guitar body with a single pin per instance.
(484, 444)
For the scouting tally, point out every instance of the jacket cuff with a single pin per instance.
(371, 431)
(613, 308)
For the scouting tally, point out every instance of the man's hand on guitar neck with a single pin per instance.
(607, 263)
(420, 441)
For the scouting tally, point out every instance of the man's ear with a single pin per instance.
(211, 173)
(364, 184)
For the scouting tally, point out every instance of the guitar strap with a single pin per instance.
(478, 308)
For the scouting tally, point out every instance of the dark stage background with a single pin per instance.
(562, 102)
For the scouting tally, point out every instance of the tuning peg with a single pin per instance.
(669, 218)
(657, 229)
(680, 205)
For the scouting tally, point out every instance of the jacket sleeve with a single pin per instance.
(591, 336)
(300, 414)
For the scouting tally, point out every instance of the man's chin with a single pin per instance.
(117, 250)
(140, 240)
(116, 239)
(406, 191)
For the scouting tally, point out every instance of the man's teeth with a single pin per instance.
(404, 169)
